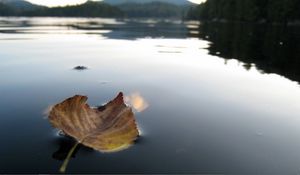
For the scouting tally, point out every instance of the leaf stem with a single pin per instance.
(66, 161)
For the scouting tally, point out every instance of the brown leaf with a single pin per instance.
(108, 128)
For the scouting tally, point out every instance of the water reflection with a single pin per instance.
(108, 28)
(137, 101)
(271, 49)
(65, 145)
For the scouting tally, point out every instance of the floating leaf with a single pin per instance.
(108, 128)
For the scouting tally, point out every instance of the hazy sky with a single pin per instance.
(70, 2)
(197, 1)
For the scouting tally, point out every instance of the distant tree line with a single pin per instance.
(5, 10)
(89, 9)
(151, 9)
(101, 9)
(274, 11)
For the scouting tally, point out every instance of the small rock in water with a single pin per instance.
(80, 68)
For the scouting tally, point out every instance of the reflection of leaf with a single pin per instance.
(108, 128)
(65, 145)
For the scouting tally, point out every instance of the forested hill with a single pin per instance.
(274, 11)
(177, 2)
(15, 7)
(20, 5)
(152, 10)
(88, 9)
(129, 8)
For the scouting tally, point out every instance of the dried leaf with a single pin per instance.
(108, 128)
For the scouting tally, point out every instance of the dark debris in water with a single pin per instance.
(80, 68)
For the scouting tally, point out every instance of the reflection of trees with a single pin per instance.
(135, 29)
(273, 49)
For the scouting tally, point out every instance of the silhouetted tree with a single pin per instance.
(279, 11)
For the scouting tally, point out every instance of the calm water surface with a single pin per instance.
(222, 98)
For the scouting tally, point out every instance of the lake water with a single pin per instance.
(222, 98)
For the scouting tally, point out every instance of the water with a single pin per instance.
(219, 100)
